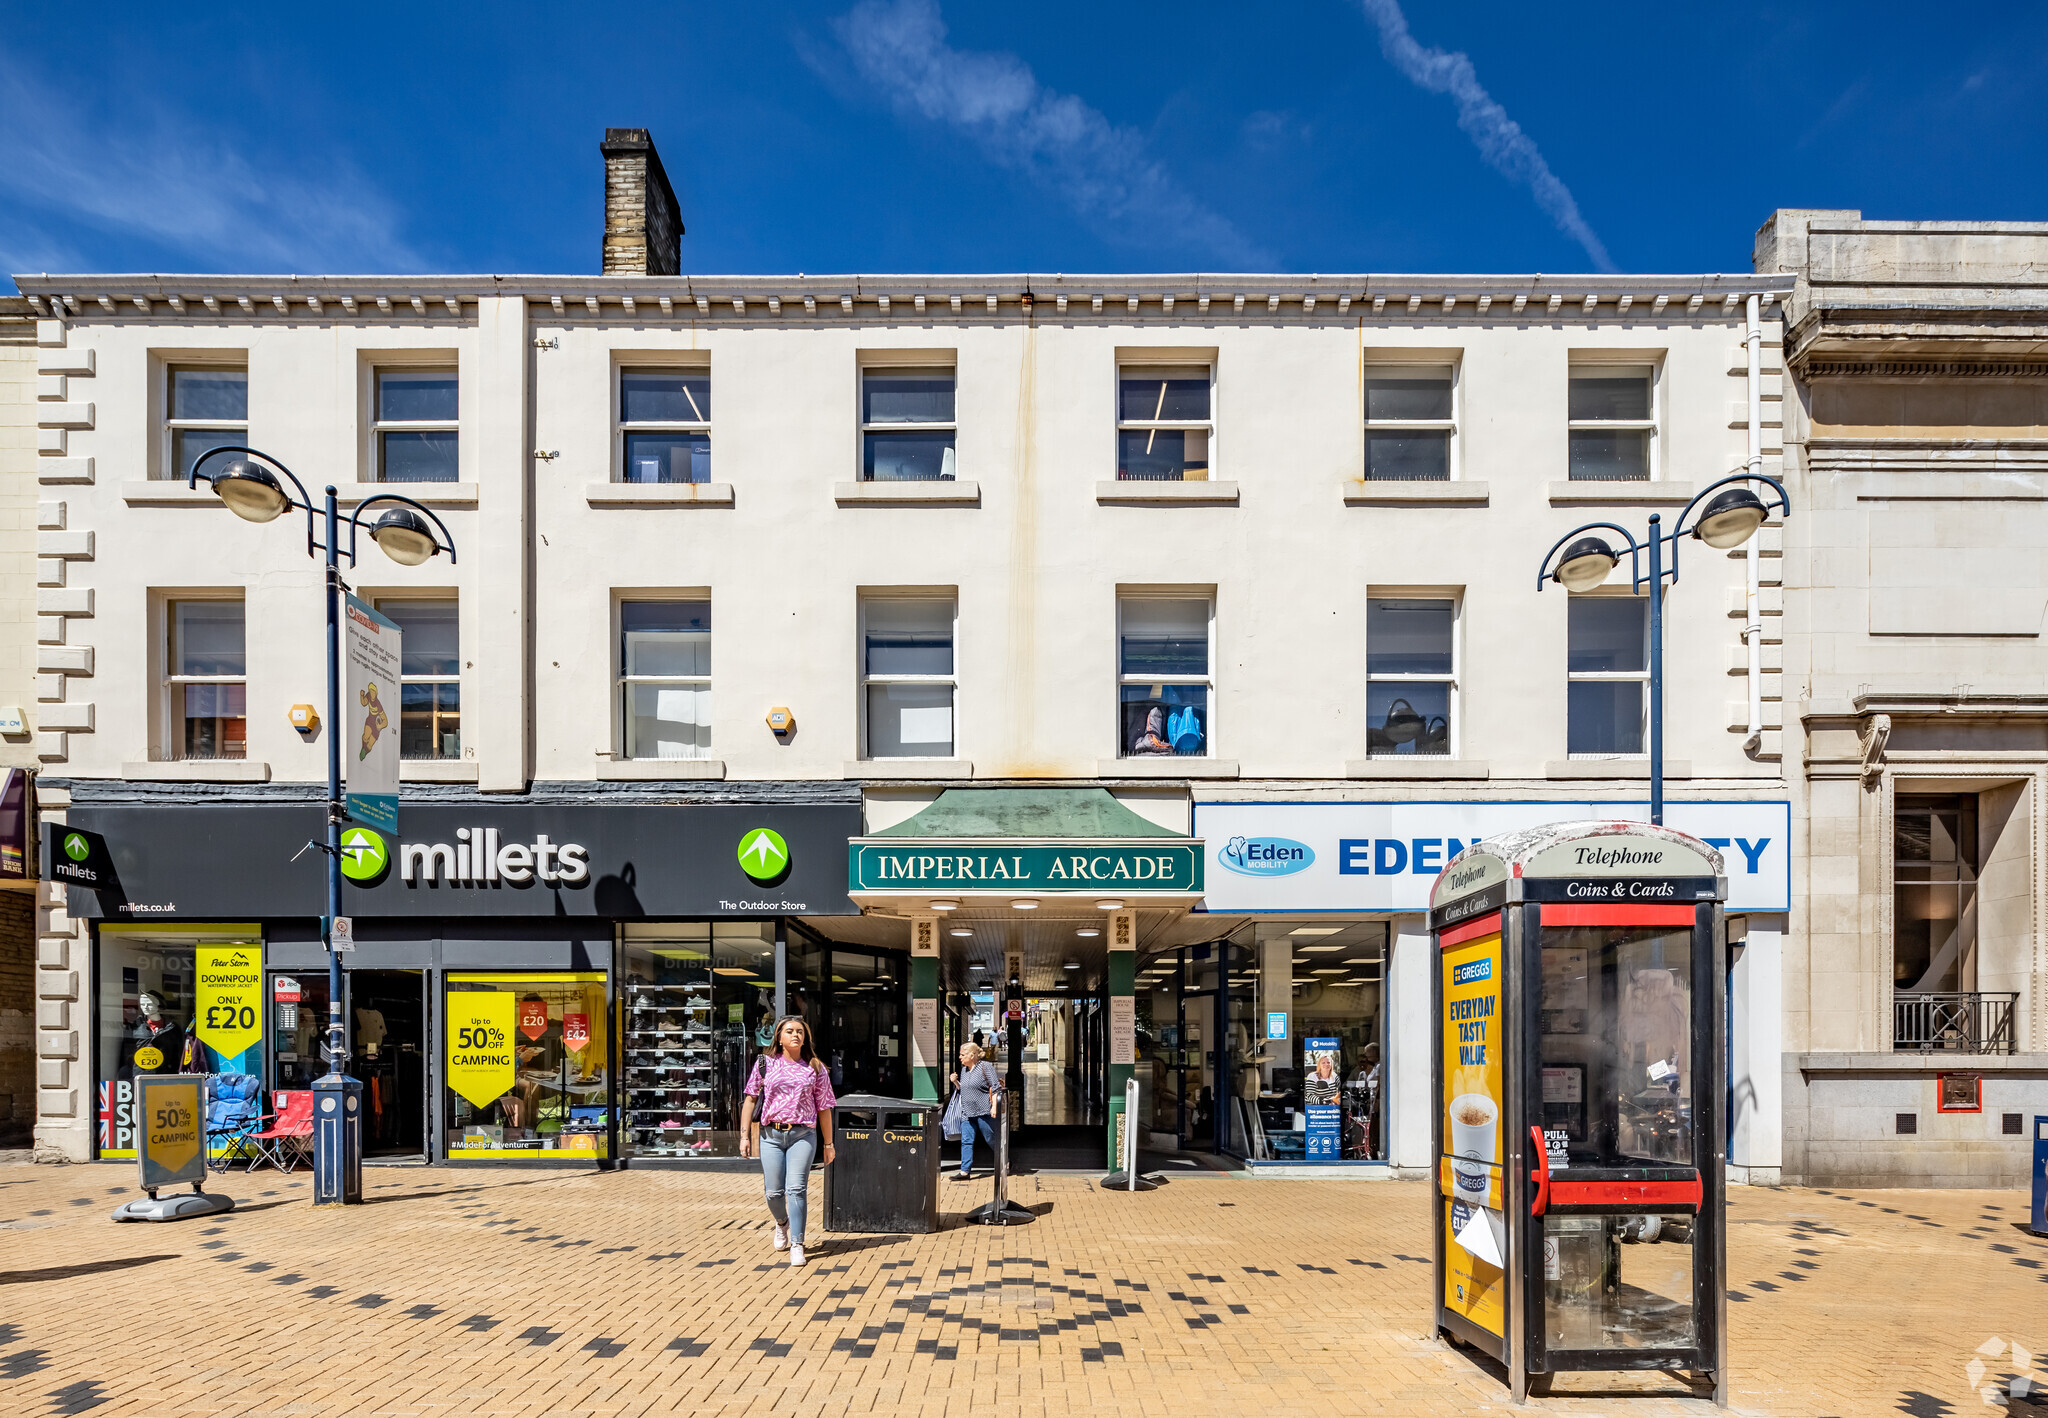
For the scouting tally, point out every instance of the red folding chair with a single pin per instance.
(289, 1133)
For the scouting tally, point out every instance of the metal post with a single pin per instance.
(782, 968)
(1656, 669)
(338, 1126)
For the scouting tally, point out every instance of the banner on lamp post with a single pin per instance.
(369, 709)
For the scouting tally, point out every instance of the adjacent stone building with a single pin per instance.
(1916, 437)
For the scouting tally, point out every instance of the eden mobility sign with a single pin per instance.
(1364, 856)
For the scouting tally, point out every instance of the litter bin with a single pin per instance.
(885, 1176)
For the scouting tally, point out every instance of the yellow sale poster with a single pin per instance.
(481, 1064)
(229, 1012)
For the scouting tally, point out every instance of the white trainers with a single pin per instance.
(796, 1255)
(781, 1237)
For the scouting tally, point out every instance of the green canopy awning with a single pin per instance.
(1026, 812)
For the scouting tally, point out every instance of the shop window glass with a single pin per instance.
(1410, 649)
(907, 676)
(524, 1068)
(1608, 672)
(696, 1005)
(415, 425)
(147, 1022)
(907, 425)
(1934, 895)
(665, 678)
(1617, 1043)
(206, 685)
(1612, 422)
(866, 1043)
(665, 415)
(208, 408)
(1164, 681)
(1335, 989)
(1409, 424)
(430, 719)
(1164, 427)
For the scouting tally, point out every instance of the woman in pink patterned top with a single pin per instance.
(788, 1107)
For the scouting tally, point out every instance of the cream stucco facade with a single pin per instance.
(1035, 540)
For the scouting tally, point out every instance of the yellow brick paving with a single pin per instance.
(511, 1292)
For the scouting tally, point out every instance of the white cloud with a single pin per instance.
(1103, 172)
(167, 182)
(1499, 138)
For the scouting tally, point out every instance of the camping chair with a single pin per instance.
(234, 1109)
(291, 1128)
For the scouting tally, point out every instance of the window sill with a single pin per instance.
(1365, 493)
(660, 770)
(438, 770)
(1614, 768)
(908, 768)
(658, 494)
(1621, 493)
(1166, 766)
(166, 493)
(1190, 494)
(907, 494)
(199, 770)
(1417, 767)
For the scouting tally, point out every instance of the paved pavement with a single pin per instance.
(509, 1292)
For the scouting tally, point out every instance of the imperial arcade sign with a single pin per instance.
(1149, 866)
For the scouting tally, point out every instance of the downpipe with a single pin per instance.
(1752, 615)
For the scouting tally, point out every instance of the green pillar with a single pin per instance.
(1123, 969)
(926, 1066)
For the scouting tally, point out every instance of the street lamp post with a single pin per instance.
(1581, 560)
(253, 492)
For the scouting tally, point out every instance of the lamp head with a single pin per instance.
(1585, 564)
(404, 536)
(251, 491)
(1730, 519)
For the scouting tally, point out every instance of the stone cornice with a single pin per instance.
(1112, 297)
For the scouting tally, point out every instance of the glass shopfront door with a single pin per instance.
(388, 1051)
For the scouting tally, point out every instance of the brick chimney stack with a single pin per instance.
(643, 226)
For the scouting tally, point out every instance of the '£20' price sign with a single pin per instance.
(230, 1003)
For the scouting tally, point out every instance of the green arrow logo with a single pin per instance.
(75, 848)
(764, 856)
(364, 856)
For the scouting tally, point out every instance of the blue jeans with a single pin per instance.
(984, 1125)
(786, 1175)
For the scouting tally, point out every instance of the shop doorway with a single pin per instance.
(388, 1052)
(1058, 1118)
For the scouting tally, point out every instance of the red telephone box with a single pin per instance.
(1579, 1074)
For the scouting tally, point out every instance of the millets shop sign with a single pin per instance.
(481, 859)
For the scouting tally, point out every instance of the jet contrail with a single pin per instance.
(1499, 138)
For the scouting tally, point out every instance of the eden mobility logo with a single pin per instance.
(1265, 856)
(364, 857)
(1472, 970)
(764, 856)
(75, 848)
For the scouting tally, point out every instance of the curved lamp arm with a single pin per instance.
(355, 522)
(1543, 567)
(305, 503)
(1678, 527)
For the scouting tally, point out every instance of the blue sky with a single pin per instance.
(943, 135)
